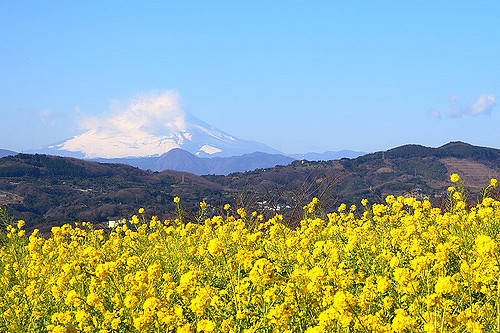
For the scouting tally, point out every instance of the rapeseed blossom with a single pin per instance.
(401, 266)
(455, 178)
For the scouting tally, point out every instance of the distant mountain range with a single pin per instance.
(328, 155)
(47, 190)
(182, 160)
(4, 152)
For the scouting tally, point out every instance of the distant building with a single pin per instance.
(114, 223)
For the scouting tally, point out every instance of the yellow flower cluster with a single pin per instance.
(404, 266)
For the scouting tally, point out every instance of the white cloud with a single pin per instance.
(44, 114)
(47, 117)
(145, 113)
(436, 114)
(483, 105)
(150, 124)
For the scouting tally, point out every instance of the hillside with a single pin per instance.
(410, 169)
(47, 190)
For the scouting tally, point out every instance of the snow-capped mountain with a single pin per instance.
(152, 126)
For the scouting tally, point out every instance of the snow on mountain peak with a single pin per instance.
(151, 125)
(209, 150)
(148, 126)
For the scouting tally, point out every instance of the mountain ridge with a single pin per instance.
(328, 155)
(47, 190)
(182, 160)
(6, 152)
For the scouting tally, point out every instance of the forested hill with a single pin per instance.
(407, 170)
(47, 190)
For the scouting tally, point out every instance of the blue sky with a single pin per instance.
(297, 75)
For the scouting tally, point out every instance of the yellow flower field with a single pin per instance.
(403, 266)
